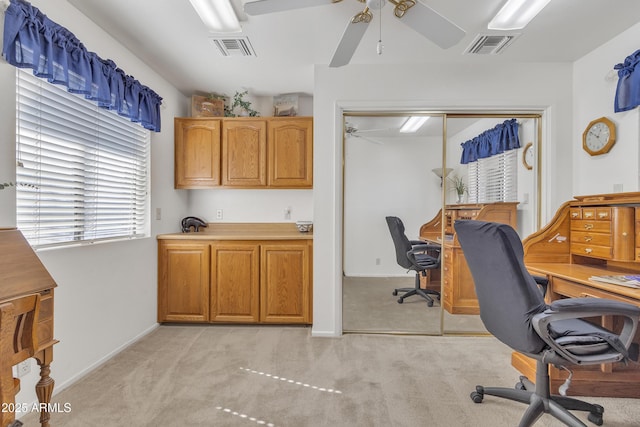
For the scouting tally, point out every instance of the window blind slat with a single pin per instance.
(84, 169)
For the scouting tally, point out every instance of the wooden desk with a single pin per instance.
(458, 289)
(22, 273)
(589, 236)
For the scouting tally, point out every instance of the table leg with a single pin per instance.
(44, 387)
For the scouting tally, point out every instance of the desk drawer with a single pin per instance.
(593, 226)
(577, 290)
(591, 250)
(586, 238)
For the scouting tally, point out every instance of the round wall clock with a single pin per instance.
(599, 136)
(527, 156)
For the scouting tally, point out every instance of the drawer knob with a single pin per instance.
(588, 250)
(588, 226)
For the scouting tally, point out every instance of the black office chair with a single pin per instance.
(414, 255)
(513, 309)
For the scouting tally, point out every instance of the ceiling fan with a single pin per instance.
(426, 21)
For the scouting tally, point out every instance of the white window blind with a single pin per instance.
(82, 170)
(494, 179)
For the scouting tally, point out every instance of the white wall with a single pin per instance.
(106, 294)
(432, 86)
(392, 178)
(594, 89)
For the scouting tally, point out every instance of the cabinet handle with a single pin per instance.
(574, 215)
(588, 250)
(588, 214)
(588, 238)
(588, 226)
(603, 215)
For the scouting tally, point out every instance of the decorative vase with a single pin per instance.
(460, 198)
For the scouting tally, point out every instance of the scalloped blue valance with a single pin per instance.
(31, 40)
(628, 90)
(503, 137)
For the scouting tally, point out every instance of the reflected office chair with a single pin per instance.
(414, 255)
(513, 309)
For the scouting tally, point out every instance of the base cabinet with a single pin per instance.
(183, 275)
(235, 281)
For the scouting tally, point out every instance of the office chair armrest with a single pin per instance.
(580, 308)
(424, 248)
(418, 242)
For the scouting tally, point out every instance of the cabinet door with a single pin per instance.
(244, 153)
(285, 282)
(197, 153)
(183, 281)
(235, 282)
(291, 152)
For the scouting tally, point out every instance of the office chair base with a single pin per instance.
(424, 293)
(554, 405)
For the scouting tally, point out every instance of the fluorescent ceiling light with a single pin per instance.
(413, 123)
(217, 15)
(516, 14)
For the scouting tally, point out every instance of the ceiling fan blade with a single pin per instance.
(432, 25)
(350, 40)
(262, 7)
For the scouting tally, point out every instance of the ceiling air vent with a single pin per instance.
(490, 44)
(238, 46)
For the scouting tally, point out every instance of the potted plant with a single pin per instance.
(459, 186)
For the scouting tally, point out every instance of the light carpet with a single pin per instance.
(214, 375)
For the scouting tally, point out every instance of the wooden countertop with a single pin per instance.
(243, 231)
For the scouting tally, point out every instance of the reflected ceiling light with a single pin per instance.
(413, 123)
(217, 15)
(516, 14)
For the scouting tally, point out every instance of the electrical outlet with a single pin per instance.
(23, 368)
(219, 214)
(287, 212)
(158, 214)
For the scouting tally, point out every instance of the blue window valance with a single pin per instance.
(31, 40)
(503, 137)
(628, 90)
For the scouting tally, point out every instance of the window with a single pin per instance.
(494, 179)
(82, 170)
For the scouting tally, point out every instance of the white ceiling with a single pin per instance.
(169, 36)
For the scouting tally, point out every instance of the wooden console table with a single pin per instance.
(22, 273)
(589, 236)
(458, 288)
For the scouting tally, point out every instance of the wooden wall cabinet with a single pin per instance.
(234, 281)
(271, 152)
(291, 153)
(197, 153)
(244, 153)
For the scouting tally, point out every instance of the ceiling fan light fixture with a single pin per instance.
(217, 15)
(516, 14)
(413, 123)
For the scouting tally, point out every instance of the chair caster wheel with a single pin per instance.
(438, 297)
(595, 418)
(400, 300)
(394, 293)
(476, 397)
(430, 303)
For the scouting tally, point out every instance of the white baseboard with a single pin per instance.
(59, 387)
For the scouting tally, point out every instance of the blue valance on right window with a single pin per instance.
(501, 138)
(628, 90)
(31, 40)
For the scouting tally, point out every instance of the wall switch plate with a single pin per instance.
(158, 214)
(219, 214)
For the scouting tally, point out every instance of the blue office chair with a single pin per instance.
(513, 309)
